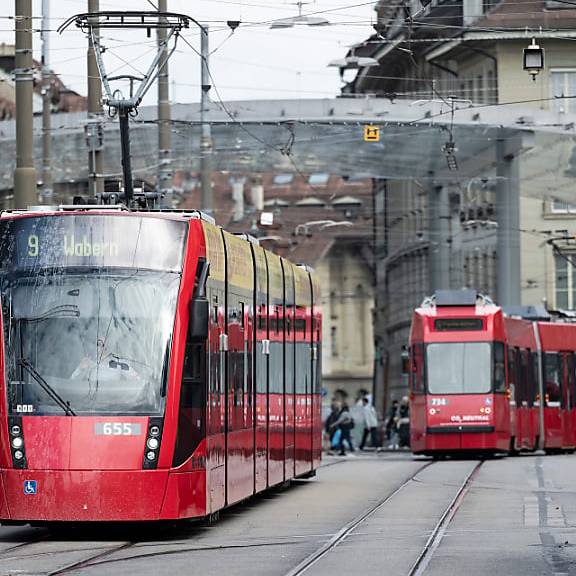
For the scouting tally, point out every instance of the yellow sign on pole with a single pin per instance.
(371, 133)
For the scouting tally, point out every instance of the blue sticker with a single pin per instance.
(488, 401)
(30, 487)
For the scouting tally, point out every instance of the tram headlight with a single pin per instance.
(17, 442)
(152, 443)
(18, 455)
(15, 430)
(151, 455)
(154, 430)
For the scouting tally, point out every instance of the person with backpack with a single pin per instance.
(345, 423)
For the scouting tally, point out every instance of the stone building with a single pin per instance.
(323, 221)
(469, 52)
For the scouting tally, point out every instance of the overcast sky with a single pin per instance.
(256, 62)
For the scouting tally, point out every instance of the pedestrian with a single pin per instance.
(391, 420)
(370, 424)
(344, 423)
(404, 423)
(332, 417)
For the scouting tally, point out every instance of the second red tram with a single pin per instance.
(152, 367)
(481, 380)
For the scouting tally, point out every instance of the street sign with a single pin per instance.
(371, 133)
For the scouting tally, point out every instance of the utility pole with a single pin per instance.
(164, 134)
(206, 202)
(46, 104)
(508, 217)
(94, 128)
(25, 174)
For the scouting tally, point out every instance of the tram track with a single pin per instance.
(318, 554)
(439, 530)
(432, 543)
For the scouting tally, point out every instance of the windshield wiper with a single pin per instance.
(46, 387)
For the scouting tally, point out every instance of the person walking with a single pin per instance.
(370, 424)
(404, 423)
(391, 421)
(328, 425)
(345, 423)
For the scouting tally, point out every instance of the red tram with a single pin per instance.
(152, 367)
(478, 377)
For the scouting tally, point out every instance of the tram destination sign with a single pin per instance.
(91, 241)
(458, 324)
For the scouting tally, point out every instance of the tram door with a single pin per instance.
(289, 358)
(260, 355)
(215, 430)
(239, 432)
(567, 400)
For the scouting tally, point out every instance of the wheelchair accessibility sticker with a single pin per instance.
(30, 487)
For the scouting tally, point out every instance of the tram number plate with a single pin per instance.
(117, 429)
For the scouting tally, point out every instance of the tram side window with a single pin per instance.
(551, 377)
(570, 372)
(524, 377)
(417, 372)
(499, 368)
(512, 374)
(535, 377)
(191, 414)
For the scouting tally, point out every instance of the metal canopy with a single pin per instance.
(328, 136)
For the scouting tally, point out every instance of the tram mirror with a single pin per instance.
(198, 321)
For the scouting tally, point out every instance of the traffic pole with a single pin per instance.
(46, 105)
(25, 193)
(164, 116)
(94, 128)
(206, 201)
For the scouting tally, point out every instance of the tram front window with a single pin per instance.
(88, 307)
(459, 368)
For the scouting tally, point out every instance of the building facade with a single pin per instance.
(444, 234)
(323, 221)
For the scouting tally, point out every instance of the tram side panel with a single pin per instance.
(215, 440)
(558, 342)
(316, 371)
(303, 372)
(289, 369)
(239, 434)
(261, 370)
(276, 371)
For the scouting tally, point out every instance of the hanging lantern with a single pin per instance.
(533, 59)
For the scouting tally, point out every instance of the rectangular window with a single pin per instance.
(499, 368)
(565, 281)
(552, 382)
(563, 86)
(558, 206)
(459, 368)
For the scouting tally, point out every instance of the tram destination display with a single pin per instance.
(458, 324)
(92, 241)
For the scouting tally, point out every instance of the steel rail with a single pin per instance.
(87, 561)
(439, 531)
(315, 556)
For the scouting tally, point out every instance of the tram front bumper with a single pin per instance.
(82, 496)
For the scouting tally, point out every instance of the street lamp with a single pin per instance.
(300, 20)
(533, 59)
(354, 62)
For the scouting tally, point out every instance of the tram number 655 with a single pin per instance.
(117, 429)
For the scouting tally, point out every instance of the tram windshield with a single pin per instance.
(459, 368)
(85, 333)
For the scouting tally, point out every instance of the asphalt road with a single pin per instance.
(384, 514)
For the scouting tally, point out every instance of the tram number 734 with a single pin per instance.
(117, 429)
